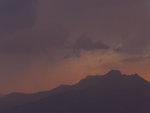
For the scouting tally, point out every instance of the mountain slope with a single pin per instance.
(1, 96)
(111, 93)
(17, 99)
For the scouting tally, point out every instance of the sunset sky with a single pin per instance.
(45, 43)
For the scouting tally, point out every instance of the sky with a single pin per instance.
(45, 43)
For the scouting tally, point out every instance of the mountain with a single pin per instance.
(110, 93)
(1, 95)
(17, 99)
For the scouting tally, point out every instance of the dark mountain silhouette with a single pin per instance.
(17, 99)
(1, 95)
(111, 93)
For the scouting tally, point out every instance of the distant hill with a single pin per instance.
(110, 93)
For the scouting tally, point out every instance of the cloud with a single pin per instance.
(108, 20)
(34, 41)
(16, 15)
(136, 59)
(44, 32)
(87, 44)
(21, 51)
(44, 29)
(115, 21)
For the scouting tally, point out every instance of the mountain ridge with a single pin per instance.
(93, 94)
(111, 73)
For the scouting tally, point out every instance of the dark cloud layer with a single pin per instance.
(16, 15)
(33, 42)
(87, 44)
(112, 21)
(125, 21)
(55, 23)
(121, 21)
(136, 59)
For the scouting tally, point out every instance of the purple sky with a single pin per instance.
(44, 43)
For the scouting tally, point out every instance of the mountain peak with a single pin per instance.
(137, 77)
(130, 93)
(114, 73)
